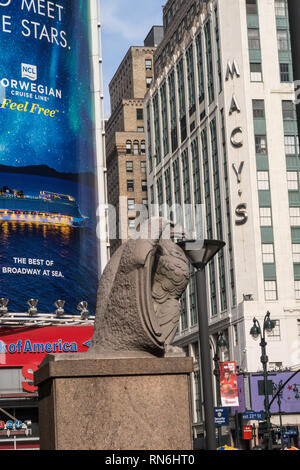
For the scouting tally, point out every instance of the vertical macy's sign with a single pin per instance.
(236, 140)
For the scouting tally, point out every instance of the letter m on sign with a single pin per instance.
(232, 69)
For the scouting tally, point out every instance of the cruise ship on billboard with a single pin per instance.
(47, 208)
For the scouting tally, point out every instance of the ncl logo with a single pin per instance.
(29, 71)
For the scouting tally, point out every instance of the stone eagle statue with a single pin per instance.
(138, 308)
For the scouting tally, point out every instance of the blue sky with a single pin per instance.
(125, 23)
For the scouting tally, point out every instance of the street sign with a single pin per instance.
(247, 432)
(221, 417)
(290, 432)
(253, 415)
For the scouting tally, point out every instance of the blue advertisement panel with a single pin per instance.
(48, 243)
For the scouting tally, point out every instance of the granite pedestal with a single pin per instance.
(115, 404)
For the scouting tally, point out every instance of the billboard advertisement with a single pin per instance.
(228, 384)
(48, 188)
(25, 348)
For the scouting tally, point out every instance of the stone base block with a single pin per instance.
(115, 404)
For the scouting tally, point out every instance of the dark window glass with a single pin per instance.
(283, 40)
(288, 111)
(261, 144)
(253, 38)
(144, 185)
(255, 72)
(130, 186)
(129, 167)
(258, 109)
(284, 73)
(128, 146)
(140, 114)
(251, 7)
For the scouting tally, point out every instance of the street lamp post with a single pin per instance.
(221, 344)
(256, 332)
(278, 388)
(199, 255)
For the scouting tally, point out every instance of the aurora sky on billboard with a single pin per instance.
(48, 244)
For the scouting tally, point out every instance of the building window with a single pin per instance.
(200, 66)
(177, 191)
(191, 79)
(129, 167)
(297, 295)
(280, 8)
(235, 335)
(148, 81)
(251, 7)
(217, 35)
(181, 96)
(292, 180)
(130, 186)
(184, 317)
(296, 252)
(150, 156)
(164, 113)
(144, 185)
(295, 216)
(143, 167)
(270, 290)
(148, 64)
(288, 110)
(261, 144)
(198, 398)
(131, 204)
(168, 190)
(274, 335)
(255, 72)
(284, 73)
(268, 252)
(253, 38)
(143, 147)
(263, 181)
(258, 109)
(135, 147)
(275, 365)
(156, 129)
(145, 202)
(128, 147)
(140, 129)
(193, 305)
(140, 114)
(283, 40)
(213, 293)
(131, 224)
(265, 216)
(209, 63)
(291, 145)
(173, 111)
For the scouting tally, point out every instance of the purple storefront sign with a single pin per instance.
(289, 402)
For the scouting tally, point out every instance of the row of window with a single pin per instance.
(265, 216)
(131, 186)
(283, 43)
(268, 255)
(280, 7)
(180, 88)
(135, 147)
(282, 39)
(130, 167)
(131, 204)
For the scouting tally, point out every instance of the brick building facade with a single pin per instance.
(125, 139)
